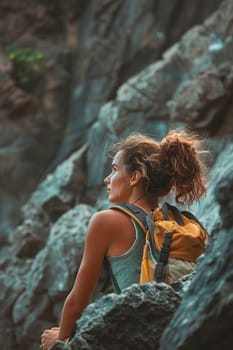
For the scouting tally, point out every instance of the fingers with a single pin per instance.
(49, 337)
(55, 329)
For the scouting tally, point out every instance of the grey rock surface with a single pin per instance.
(89, 49)
(134, 319)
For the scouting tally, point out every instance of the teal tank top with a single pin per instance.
(126, 268)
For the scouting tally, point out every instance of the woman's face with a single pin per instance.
(118, 182)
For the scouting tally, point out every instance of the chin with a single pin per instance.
(112, 200)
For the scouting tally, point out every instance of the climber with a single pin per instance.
(143, 172)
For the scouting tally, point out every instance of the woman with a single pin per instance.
(143, 171)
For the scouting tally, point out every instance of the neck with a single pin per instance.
(139, 198)
(146, 202)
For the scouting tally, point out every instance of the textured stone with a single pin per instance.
(190, 85)
(220, 177)
(134, 319)
(50, 278)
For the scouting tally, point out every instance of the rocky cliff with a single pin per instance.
(76, 76)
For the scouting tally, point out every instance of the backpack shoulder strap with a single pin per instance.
(136, 213)
(176, 213)
(160, 271)
(139, 216)
(194, 218)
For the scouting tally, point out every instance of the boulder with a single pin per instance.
(134, 319)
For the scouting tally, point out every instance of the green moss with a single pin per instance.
(27, 62)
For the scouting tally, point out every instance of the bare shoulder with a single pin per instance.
(106, 224)
(114, 230)
(108, 217)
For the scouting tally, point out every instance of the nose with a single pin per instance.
(107, 179)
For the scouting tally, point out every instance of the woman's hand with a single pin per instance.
(49, 337)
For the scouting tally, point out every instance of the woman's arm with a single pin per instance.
(96, 244)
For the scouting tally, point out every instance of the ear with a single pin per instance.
(135, 178)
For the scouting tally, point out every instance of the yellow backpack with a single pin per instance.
(174, 240)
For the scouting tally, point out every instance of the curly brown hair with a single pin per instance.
(174, 163)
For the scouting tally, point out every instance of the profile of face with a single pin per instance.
(118, 182)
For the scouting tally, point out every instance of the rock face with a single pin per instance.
(48, 278)
(190, 85)
(57, 194)
(130, 72)
(88, 49)
(135, 319)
